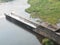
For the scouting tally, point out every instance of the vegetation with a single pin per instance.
(47, 10)
(47, 41)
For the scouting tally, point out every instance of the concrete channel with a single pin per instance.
(33, 26)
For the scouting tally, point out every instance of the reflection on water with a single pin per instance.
(1, 1)
(11, 34)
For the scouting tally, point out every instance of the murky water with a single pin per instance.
(11, 34)
(2, 1)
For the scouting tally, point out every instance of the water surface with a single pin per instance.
(11, 34)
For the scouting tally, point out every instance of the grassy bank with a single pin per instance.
(47, 10)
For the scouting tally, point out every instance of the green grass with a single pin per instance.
(47, 10)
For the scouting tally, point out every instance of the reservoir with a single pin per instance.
(11, 34)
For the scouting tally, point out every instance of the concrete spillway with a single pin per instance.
(21, 21)
(34, 27)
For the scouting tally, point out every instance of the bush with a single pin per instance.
(47, 41)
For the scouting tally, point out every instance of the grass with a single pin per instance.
(47, 10)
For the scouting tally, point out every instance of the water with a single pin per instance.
(11, 34)
(2, 1)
